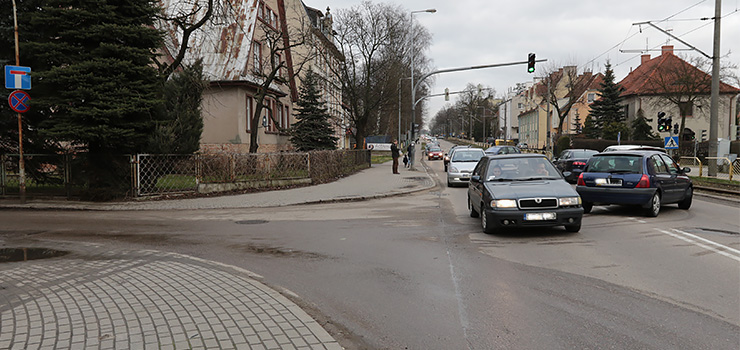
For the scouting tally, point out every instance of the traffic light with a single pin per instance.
(675, 128)
(668, 124)
(661, 121)
(703, 135)
(447, 94)
(530, 63)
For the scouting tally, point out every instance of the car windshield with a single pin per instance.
(583, 154)
(435, 149)
(521, 169)
(467, 156)
(627, 164)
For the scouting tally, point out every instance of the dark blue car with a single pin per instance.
(643, 178)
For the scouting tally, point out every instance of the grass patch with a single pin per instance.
(380, 158)
(716, 183)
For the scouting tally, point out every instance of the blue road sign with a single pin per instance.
(18, 101)
(17, 77)
(671, 142)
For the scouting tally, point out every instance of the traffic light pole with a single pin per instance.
(449, 70)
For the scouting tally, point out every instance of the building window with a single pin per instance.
(250, 103)
(256, 57)
(591, 97)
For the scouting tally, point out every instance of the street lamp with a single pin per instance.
(413, 86)
(399, 108)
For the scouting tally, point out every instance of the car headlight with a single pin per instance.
(447, 158)
(569, 201)
(503, 203)
(453, 169)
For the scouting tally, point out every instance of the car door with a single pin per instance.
(662, 178)
(677, 187)
(476, 188)
(562, 160)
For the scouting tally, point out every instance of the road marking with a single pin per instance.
(687, 237)
(638, 220)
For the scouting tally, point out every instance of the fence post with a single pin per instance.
(136, 178)
(68, 175)
(2, 174)
(198, 172)
(308, 165)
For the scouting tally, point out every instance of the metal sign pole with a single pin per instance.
(21, 163)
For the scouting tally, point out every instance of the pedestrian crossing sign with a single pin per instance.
(671, 142)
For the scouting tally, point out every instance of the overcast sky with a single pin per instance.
(585, 33)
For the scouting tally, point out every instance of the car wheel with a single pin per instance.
(449, 184)
(587, 206)
(487, 229)
(573, 228)
(473, 213)
(686, 202)
(654, 208)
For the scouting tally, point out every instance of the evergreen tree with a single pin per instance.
(590, 129)
(607, 111)
(94, 83)
(181, 129)
(641, 130)
(312, 131)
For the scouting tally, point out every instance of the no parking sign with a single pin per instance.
(19, 101)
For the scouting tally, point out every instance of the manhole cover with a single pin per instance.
(252, 222)
(25, 254)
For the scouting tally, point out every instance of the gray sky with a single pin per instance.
(585, 33)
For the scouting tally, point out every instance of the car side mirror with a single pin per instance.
(686, 170)
(475, 178)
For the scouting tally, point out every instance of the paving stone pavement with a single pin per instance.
(147, 300)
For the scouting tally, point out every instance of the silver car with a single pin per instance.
(462, 162)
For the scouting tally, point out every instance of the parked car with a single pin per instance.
(503, 150)
(523, 145)
(447, 155)
(522, 190)
(462, 162)
(434, 153)
(644, 178)
(571, 162)
(616, 148)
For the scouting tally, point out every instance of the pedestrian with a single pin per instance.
(395, 154)
(405, 160)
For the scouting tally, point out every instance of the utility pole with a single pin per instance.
(714, 106)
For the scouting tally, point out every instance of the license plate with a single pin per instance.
(540, 216)
(608, 182)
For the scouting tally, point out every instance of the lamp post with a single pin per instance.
(399, 107)
(413, 86)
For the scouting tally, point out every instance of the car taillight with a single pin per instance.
(579, 164)
(644, 182)
(580, 180)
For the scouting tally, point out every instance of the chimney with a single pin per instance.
(644, 58)
(667, 49)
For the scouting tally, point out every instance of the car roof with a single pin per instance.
(515, 155)
(629, 153)
(614, 148)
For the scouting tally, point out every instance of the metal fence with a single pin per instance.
(726, 169)
(70, 175)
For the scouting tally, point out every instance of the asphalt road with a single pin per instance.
(416, 272)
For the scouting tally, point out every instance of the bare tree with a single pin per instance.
(374, 41)
(271, 68)
(472, 103)
(561, 89)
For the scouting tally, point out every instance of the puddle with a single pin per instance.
(25, 254)
(251, 222)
